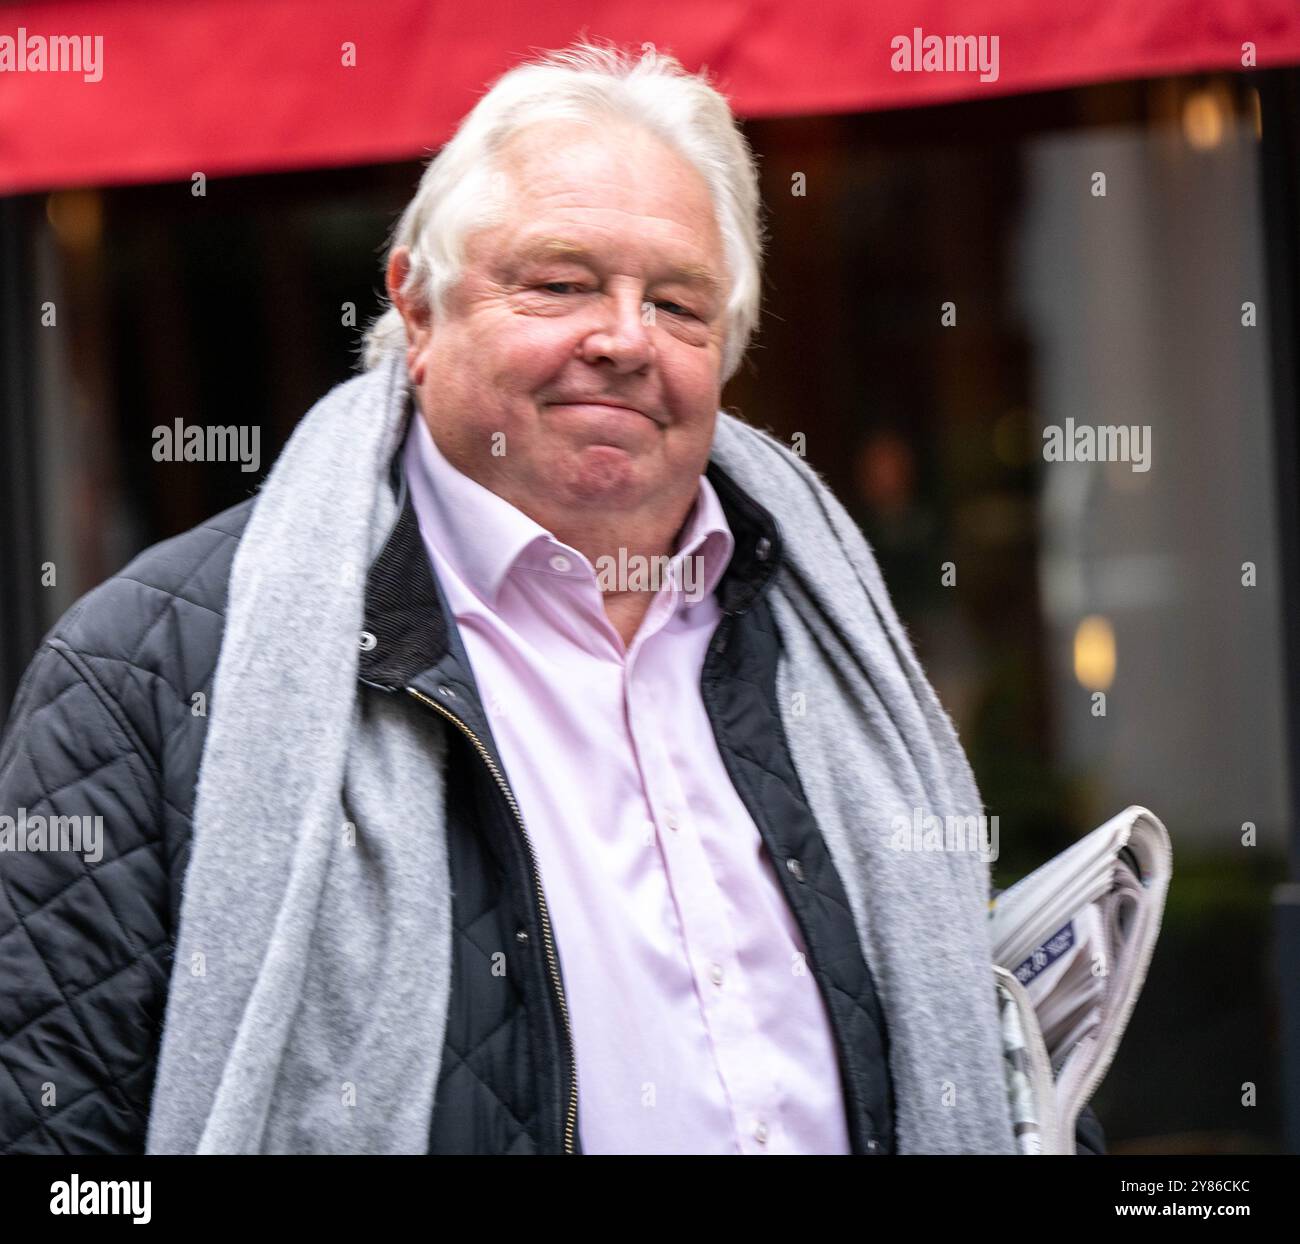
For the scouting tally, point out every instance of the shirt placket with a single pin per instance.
(723, 991)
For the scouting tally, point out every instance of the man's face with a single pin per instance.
(550, 319)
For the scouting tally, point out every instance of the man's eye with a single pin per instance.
(560, 288)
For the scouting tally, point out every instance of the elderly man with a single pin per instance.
(515, 773)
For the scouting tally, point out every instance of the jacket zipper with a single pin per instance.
(571, 1112)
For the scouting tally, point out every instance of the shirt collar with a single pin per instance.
(486, 538)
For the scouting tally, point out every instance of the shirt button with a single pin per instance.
(673, 822)
(760, 1133)
(368, 641)
(715, 973)
(560, 562)
(796, 869)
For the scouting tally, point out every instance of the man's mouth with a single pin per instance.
(596, 407)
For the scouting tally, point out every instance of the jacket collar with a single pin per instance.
(407, 616)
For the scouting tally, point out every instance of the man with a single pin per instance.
(491, 838)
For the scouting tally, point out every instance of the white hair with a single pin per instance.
(463, 189)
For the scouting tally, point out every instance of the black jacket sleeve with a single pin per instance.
(85, 948)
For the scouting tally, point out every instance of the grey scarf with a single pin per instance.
(310, 987)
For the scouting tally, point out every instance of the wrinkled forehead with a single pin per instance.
(567, 185)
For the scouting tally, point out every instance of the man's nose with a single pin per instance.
(621, 335)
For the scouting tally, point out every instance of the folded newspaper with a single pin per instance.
(1071, 946)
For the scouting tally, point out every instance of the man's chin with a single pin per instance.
(610, 474)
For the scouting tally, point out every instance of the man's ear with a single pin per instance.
(413, 309)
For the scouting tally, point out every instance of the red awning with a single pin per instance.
(240, 86)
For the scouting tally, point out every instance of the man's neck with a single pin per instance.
(616, 556)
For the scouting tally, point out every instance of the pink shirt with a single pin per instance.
(697, 1025)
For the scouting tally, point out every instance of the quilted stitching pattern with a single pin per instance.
(487, 1095)
(102, 727)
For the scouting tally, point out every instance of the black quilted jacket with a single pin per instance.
(110, 721)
